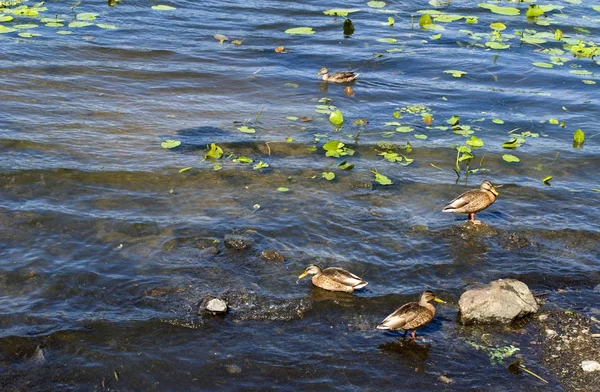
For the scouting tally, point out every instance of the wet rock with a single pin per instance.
(516, 242)
(590, 366)
(501, 301)
(38, 356)
(233, 369)
(238, 242)
(213, 305)
(272, 256)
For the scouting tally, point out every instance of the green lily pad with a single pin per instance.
(498, 121)
(546, 180)
(336, 117)
(162, 7)
(387, 40)
(474, 141)
(381, 179)
(579, 136)
(170, 143)
(106, 26)
(404, 129)
(77, 24)
(25, 26)
(510, 158)
(455, 73)
(282, 189)
(500, 10)
(86, 16)
(340, 11)
(543, 65)
(497, 45)
(185, 169)
(328, 175)
(420, 136)
(300, 31)
(376, 4)
(214, 152)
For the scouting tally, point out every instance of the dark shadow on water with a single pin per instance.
(318, 294)
(408, 350)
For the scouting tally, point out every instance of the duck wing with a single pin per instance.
(344, 277)
(463, 200)
(402, 316)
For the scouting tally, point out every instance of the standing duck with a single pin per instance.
(473, 201)
(338, 77)
(412, 315)
(333, 279)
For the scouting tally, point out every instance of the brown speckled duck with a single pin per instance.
(338, 77)
(411, 316)
(334, 279)
(473, 201)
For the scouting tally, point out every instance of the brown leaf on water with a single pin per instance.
(281, 49)
(428, 119)
(348, 91)
(306, 119)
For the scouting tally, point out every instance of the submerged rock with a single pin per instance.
(501, 301)
(213, 305)
(272, 256)
(238, 242)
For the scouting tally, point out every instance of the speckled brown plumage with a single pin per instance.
(337, 77)
(411, 316)
(473, 201)
(334, 279)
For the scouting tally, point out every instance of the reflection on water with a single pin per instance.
(410, 352)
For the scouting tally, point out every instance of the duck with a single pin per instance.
(337, 77)
(473, 201)
(412, 316)
(334, 279)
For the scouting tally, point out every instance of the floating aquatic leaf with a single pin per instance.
(6, 18)
(498, 26)
(510, 158)
(335, 148)
(425, 20)
(546, 180)
(62, 32)
(427, 119)
(336, 117)
(585, 81)
(282, 189)
(306, 119)
(214, 152)
(78, 24)
(390, 21)
(381, 179)
(512, 143)
(340, 11)
(387, 40)
(455, 73)
(361, 122)
(497, 45)
(328, 175)
(289, 139)
(4, 29)
(436, 36)
(392, 123)
(596, 8)
(534, 11)
(237, 42)
(453, 120)
(280, 49)
(170, 143)
(543, 65)
(292, 118)
(162, 7)
(472, 19)
(474, 141)
(87, 16)
(376, 4)
(260, 165)
(25, 26)
(243, 159)
(185, 169)
(558, 34)
(345, 166)
(217, 167)
(581, 72)
(300, 31)
(420, 136)
(28, 35)
(292, 85)
(578, 137)
(246, 129)
(105, 26)
(404, 129)
(500, 10)
(221, 38)
(497, 121)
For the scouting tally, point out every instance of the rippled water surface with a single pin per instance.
(107, 249)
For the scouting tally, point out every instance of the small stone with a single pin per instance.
(590, 366)
(233, 369)
(551, 333)
(237, 242)
(272, 256)
(445, 379)
(213, 305)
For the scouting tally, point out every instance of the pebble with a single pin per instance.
(213, 305)
(590, 366)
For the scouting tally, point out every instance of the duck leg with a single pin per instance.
(414, 336)
(472, 219)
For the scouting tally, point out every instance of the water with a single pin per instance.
(107, 250)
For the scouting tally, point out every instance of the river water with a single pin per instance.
(107, 249)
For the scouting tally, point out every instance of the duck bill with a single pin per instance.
(303, 275)
(494, 191)
(436, 299)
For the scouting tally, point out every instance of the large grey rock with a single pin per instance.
(501, 301)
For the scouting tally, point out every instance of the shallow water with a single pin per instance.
(107, 250)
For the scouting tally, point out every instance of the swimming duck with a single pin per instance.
(333, 279)
(412, 315)
(338, 77)
(473, 201)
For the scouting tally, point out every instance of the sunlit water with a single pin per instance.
(107, 250)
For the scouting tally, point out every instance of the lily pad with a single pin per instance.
(328, 175)
(282, 189)
(455, 73)
(170, 143)
(340, 11)
(214, 152)
(336, 117)
(543, 65)
(510, 158)
(500, 10)
(300, 31)
(162, 7)
(381, 179)
(579, 136)
(246, 129)
(376, 4)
